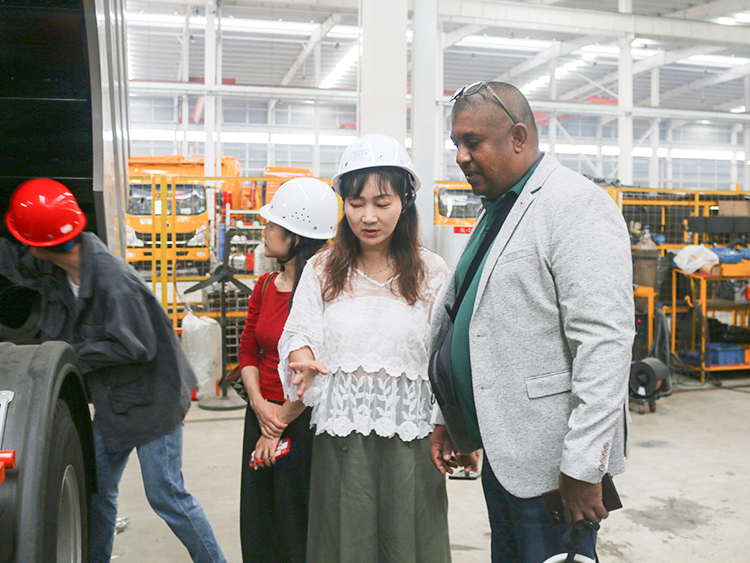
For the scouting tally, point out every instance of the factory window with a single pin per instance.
(329, 160)
(301, 115)
(245, 111)
(293, 155)
(338, 116)
(151, 109)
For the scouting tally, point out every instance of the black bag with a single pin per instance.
(440, 368)
(441, 379)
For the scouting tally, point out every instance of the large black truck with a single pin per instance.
(63, 115)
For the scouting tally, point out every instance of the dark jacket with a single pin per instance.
(138, 376)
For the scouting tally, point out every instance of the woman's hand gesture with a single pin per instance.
(305, 372)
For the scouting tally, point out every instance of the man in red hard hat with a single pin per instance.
(138, 377)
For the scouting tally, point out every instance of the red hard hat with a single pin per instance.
(43, 212)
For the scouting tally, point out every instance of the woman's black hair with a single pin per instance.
(303, 248)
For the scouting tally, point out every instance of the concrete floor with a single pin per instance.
(686, 492)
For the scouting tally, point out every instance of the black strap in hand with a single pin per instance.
(489, 238)
(574, 536)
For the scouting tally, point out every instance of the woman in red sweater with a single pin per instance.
(274, 494)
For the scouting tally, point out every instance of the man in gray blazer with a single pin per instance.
(542, 341)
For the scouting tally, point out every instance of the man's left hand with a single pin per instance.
(581, 500)
(441, 450)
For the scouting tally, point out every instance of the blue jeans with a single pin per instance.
(161, 468)
(521, 530)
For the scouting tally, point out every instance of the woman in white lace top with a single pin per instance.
(355, 348)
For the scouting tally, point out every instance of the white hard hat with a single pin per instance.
(371, 151)
(305, 206)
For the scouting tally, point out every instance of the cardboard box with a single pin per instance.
(734, 208)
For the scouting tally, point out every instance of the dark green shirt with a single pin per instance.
(460, 356)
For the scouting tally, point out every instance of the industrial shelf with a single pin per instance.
(740, 316)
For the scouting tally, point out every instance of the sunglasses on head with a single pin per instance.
(473, 88)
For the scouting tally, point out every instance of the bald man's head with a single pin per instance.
(496, 138)
(484, 102)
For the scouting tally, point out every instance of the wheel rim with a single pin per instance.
(69, 548)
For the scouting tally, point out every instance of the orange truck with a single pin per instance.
(187, 214)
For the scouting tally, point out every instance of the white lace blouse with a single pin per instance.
(374, 346)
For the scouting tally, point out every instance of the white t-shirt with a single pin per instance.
(73, 287)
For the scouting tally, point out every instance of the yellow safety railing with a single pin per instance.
(165, 275)
(666, 212)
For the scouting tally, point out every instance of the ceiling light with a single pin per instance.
(508, 43)
(244, 137)
(336, 140)
(726, 21)
(715, 60)
(543, 80)
(151, 135)
(602, 50)
(642, 42)
(703, 154)
(292, 139)
(241, 24)
(563, 148)
(241, 137)
(351, 58)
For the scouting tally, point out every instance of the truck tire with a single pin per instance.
(45, 501)
(66, 533)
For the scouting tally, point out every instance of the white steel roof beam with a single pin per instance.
(609, 110)
(558, 49)
(183, 70)
(732, 74)
(326, 5)
(570, 20)
(712, 10)
(154, 88)
(453, 37)
(662, 58)
(320, 32)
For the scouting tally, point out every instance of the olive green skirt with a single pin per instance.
(376, 500)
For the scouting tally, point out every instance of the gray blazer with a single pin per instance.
(551, 335)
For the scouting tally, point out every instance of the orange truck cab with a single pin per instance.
(187, 208)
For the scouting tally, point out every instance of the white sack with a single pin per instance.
(201, 340)
(692, 258)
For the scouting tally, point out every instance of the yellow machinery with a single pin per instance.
(185, 207)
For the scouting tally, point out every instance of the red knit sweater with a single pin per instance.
(263, 327)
